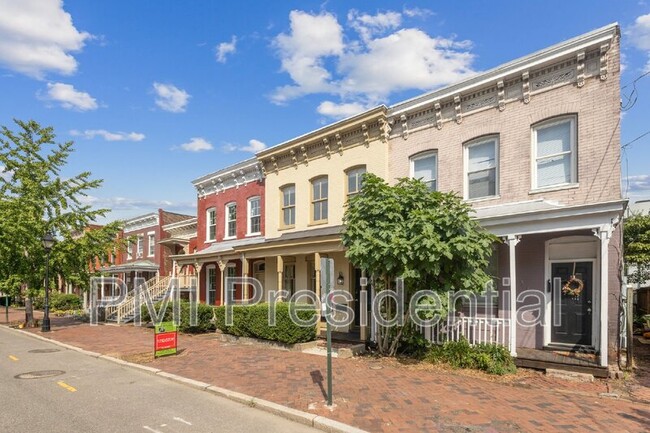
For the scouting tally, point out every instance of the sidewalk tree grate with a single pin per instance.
(39, 374)
(44, 350)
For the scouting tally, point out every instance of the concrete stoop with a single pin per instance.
(569, 375)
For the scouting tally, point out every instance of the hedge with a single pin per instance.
(491, 358)
(253, 321)
(58, 301)
(204, 323)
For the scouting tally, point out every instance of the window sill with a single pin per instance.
(210, 241)
(317, 223)
(287, 227)
(554, 188)
(250, 235)
(480, 199)
(229, 238)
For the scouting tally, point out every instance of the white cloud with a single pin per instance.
(312, 38)
(69, 97)
(197, 144)
(639, 35)
(370, 25)
(254, 146)
(124, 203)
(639, 183)
(107, 135)
(37, 36)
(365, 72)
(171, 98)
(417, 12)
(340, 111)
(225, 48)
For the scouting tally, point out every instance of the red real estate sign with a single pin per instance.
(166, 339)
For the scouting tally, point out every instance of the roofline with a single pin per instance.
(379, 109)
(141, 217)
(179, 224)
(515, 66)
(226, 171)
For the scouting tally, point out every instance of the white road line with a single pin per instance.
(152, 430)
(182, 420)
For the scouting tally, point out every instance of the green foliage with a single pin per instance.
(252, 321)
(636, 239)
(205, 315)
(491, 358)
(63, 301)
(427, 238)
(35, 198)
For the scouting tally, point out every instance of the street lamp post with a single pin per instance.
(48, 242)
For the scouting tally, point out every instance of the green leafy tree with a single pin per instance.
(35, 198)
(427, 238)
(636, 239)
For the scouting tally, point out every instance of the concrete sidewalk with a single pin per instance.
(379, 395)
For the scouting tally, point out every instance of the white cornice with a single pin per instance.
(233, 176)
(141, 222)
(511, 69)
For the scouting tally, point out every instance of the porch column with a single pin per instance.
(512, 241)
(245, 271)
(604, 234)
(279, 270)
(317, 286)
(197, 269)
(222, 267)
(363, 307)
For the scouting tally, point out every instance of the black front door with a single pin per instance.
(571, 303)
(357, 296)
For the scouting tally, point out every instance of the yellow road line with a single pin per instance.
(13, 358)
(62, 384)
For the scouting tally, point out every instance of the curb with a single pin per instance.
(309, 419)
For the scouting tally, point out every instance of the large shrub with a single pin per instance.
(204, 323)
(491, 358)
(64, 301)
(253, 321)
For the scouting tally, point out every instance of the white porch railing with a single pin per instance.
(475, 330)
(156, 288)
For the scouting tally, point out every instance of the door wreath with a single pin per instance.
(573, 286)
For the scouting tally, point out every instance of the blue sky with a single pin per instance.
(156, 94)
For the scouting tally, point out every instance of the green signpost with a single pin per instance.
(327, 281)
(165, 339)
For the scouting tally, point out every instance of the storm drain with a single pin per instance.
(39, 374)
(44, 350)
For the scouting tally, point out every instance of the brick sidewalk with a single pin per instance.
(377, 395)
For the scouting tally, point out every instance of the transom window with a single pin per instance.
(254, 216)
(289, 205)
(231, 220)
(481, 167)
(355, 180)
(425, 168)
(319, 196)
(211, 227)
(554, 148)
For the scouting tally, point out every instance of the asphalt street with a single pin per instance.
(62, 390)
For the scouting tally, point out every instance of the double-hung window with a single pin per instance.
(140, 247)
(355, 180)
(231, 220)
(151, 242)
(289, 278)
(555, 153)
(481, 165)
(129, 251)
(288, 205)
(254, 216)
(211, 224)
(425, 168)
(319, 194)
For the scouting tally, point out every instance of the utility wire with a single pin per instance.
(630, 100)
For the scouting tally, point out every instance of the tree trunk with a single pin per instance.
(29, 313)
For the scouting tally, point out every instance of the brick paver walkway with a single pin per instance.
(377, 395)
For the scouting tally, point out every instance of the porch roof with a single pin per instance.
(140, 265)
(541, 216)
(218, 249)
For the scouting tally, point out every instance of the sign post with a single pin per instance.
(327, 281)
(165, 339)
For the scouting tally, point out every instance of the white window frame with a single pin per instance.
(139, 252)
(476, 142)
(208, 224)
(573, 119)
(151, 245)
(129, 250)
(424, 155)
(284, 207)
(207, 284)
(249, 216)
(227, 221)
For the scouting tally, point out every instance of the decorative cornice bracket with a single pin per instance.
(438, 109)
(339, 143)
(603, 61)
(580, 69)
(305, 158)
(525, 87)
(366, 135)
(405, 126)
(501, 92)
(459, 109)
